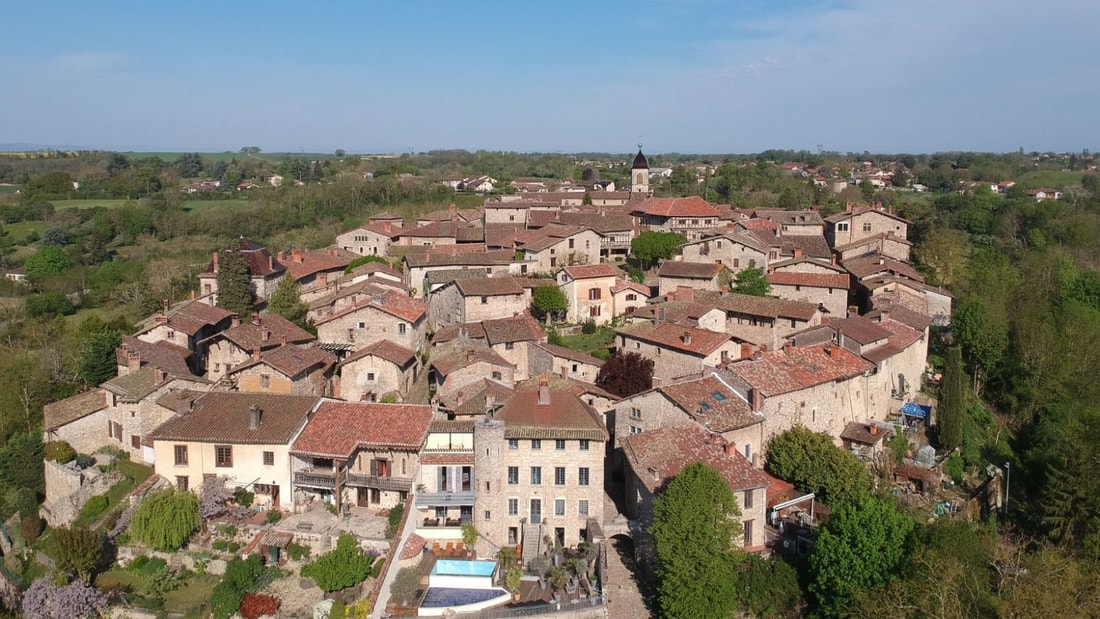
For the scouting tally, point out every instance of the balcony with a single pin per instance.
(317, 478)
(394, 484)
(444, 499)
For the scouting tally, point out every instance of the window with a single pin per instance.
(536, 444)
(181, 455)
(582, 476)
(635, 430)
(594, 311)
(370, 377)
(362, 325)
(582, 508)
(223, 456)
(484, 300)
(181, 482)
(570, 243)
(635, 413)
(509, 345)
(593, 294)
(559, 444)
(488, 515)
(842, 226)
(536, 475)
(736, 263)
(559, 507)
(631, 297)
(559, 475)
(513, 475)
(135, 441)
(401, 328)
(118, 430)
(748, 451)
(513, 507)
(793, 323)
(748, 499)
(441, 512)
(513, 444)
(269, 458)
(265, 381)
(866, 226)
(584, 444)
(748, 533)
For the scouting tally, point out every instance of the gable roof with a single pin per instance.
(689, 270)
(522, 328)
(565, 416)
(385, 350)
(488, 286)
(808, 217)
(464, 356)
(337, 429)
(291, 360)
(264, 332)
(862, 209)
(482, 258)
(260, 261)
(64, 412)
(391, 302)
(657, 456)
(873, 264)
(570, 354)
(190, 317)
(689, 340)
(591, 271)
(794, 368)
(165, 355)
(712, 403)
(813, 280)
(223, 417)
(767, 307)
(860, 330)
(693, 206)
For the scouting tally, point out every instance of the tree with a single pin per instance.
(952, 404)
(625, 374)
(240, 578)
(15, 455)
(752, 281)
(165, 520)
(286, 301)
(234, 285)
(343, 567)
(769, 588)
(54, 236)
(983, 333)
(695, 524)
(44, 599)
(650, 246)
(96, 362)
(406, 585)
(361, 260)
(549, 300)
(861, 548)
(340, 152)
(48, 304)
(213, 495)
(76, 550)
(48, 260)
(813, 463)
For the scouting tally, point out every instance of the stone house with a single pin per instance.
(858, 222)
(764, 321)
(377, 370)
(389, 316)
(476, 299)
(693, 217)
(548, 358)
(78, 420)
(418, 265)
(344, 297)
(451, 213)
(133, 354)
(133, 410)
(628, 296)
(291, 369)
(441, 233)
(358, 453)
(374, 274)
(518, 212)
(616, 230)
(736, 250)
(811, 281)
(373, 239)
(885, 243)
(511, 338)
(462, 364)
(539, 462)
(242, 437)
(891, 291)
(264, 272)
(550, 248)
(822, 387)
(675, 274)
(792, 223)
(588, 290)
(313, 267)
(445, 481)
(236, 345)
(866, 440)
(185, 325)
(678, 350)
(657, 456)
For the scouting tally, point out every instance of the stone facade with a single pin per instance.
(670, 363)
(84, 434)
(733, 253)
(69, 488)
(449, 306)
(369, 324)
(262, 378)
(861, 223)
(374, 375)
(374, 240)
(582, 247)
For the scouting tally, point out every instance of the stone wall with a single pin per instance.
(69, 488)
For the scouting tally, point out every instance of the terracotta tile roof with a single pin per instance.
(874, 238)
(439, 229)
(381, 228)
(698, 342)
(168, 357)
(572, 355)
(291, 360)
(691, 270)
(545, 238)
(460, 357)
(813, 280)
(859, 329)
(589, 271)
(488, 287)
(386, 350)
(223, 417)
(391, 302)
(860, 209)
(302, 264)
(135, 386)
(451, 426)
(473, 399)
(522, 328)
(776, 372)
(623, 284)
(901, 334)
(63, 412)
(189, 317)
(483, 258)
(263, 333)
(659, 455)
(712, 403)
(602, 223)
(693, 206)
(564, 416)
(449, 275)
(914, 320)
(465, 214)
(469, 330)
(337, 429)
(260, 261)
(364, 287)
(813, 245)
(558, 383)
(413, 547)
(873, 264)
(767, 307)
(681, 312)
(807, 217)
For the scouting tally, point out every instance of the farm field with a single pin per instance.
(1050, 178)
(228, 156)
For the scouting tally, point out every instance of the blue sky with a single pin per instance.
(687, 76)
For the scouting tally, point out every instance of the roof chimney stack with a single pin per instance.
(834, 353)
(133, 361)
(544, 392)
(686, 337)
(254, 417)
(731, 449)
(158, 376)
(797, 252)
(256, 353)
(215, 262)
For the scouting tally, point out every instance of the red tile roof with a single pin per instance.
(263, 333)
(570, 354)
(565, 416)
(337, 429)
(768, 307)
(488, 286)
(794, 368)
(302, 264)
(589, 271)
(698, 342)
(62, 412)
(223, 417)
(291, 360)
(813, 280)
(860, 209)
(385, 350)
(622, 284)
(693, 206)
(658, 455)
(161, 354)
(461, 357)
(712, 403)
(873, 264)
(860, 330)
(391, 302)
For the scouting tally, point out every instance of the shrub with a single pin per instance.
(273, 516)
(240, 578)
(338, 610)
(588, 327)
(406, 585)
(30, 527)
(59, 451)
(227, 530)
(297, 552)
(243, 497)
(954, 467)
(220, 544)
(254, 605)
(165, 520)
(393, 520)
(94, 507)
(343, 567)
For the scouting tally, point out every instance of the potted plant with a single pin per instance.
(512, 580)
(469, 537)
(559, 577)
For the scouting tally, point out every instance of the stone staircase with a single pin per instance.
(532, 542)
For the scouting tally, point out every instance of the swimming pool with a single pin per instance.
(452, 567)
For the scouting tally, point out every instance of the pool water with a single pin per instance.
(452, 567)
(446, 597)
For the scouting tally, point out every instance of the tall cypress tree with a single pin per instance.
(952, 400)
(234, 287)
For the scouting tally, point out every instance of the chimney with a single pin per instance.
(322, 279)
(452, 210)
(281, 256)
(881, 261)
(162, 319)
(254, 416)
(255, 353)
(834, 353)
(731, 449)
(167, 304)
(832, 259)
(215, 262)
(763, 348)
(797, 252)
(255, 319)
(746, 350)
(265, 335)
(235, 320)
(847, 207)
(282, 340)
(297, 253)
(873, 429)
(158, 376)
(270, 262)
(490, 403)
(685, 293)
(686, 337)
(787, 345)
(387, 227)
(544, 392)
(884, 315)
(192, 294)
(469, 356)
(757, 404)
(133, 361)
(853, 311)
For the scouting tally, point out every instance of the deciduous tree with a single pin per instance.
(343, 567)
(48, 260)
(76, 550)
(625, 374)
(650, 246)
(695, 524)
(165, 520)
(44, 599)
(813, 463)
(549, 300)
(752, 281)
(234, 286)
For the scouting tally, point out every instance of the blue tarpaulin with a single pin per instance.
(913, 409)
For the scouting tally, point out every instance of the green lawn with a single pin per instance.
(9, 188)
(135, 474)
(63, 204)
(1054, 179)
(588, 343)
(19, 231)
(190, 599)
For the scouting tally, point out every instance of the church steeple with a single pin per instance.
(639, 173)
